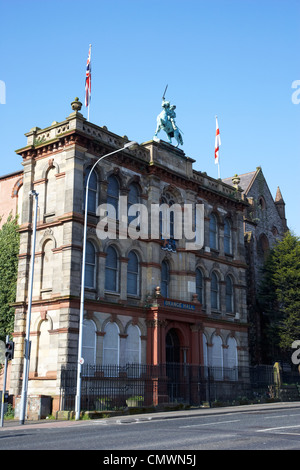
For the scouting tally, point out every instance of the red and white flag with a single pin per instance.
(88, 77)
(217, 142)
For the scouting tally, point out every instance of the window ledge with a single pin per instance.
(230, 316)
(215, 311)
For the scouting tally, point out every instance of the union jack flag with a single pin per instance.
(88, 79)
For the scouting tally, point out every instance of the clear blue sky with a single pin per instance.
(234, 58)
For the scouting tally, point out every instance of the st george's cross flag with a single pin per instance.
(217, 142)
(88, 77)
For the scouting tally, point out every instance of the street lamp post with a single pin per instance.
(27, 343)
(81, 314)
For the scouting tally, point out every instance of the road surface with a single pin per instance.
(236, 428)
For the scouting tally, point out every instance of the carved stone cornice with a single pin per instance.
(156, 323)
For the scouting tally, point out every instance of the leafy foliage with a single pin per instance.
(279, 295)
(9, 250)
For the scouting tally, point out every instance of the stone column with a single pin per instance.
(196, 347)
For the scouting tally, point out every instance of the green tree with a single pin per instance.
(279, 297)
(9, 250)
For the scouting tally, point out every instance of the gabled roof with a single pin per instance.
(246, 180)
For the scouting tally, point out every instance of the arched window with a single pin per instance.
(205, 358)
(19, 204)
(50, 193)
(217, 357)
(92, 194)
(213, 232)
(133, 198)
(214, 290)
(113, 190)
(111, 345)
(168, 199)
(133, 280)
(133, 345)
(227, 237)
(165, 279)
(200, 286)
(171, 203)
(232, 359)
(112, 270)
(263, 246)
(47, 265)
(229, 294)
(45, 362)
(261, 203)
(89, 342)
(134, 194)
(90, 266)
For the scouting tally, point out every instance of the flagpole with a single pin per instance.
(90, 79)
(217, 127)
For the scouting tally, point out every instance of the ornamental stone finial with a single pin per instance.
(235, 181)
(76, 104)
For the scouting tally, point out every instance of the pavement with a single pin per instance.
(50, 423)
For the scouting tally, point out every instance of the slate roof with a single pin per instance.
(245, 180)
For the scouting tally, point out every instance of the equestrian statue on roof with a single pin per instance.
(166, 122)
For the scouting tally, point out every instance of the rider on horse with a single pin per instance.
(166, 121)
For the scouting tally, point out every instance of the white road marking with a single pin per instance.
(279, 427)
(279, 416)
(209, 424)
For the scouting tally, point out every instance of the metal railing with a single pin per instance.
(112, 387)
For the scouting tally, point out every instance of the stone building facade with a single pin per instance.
(264, 224)
(145, 303)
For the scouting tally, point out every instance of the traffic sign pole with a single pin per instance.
(4, 387)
